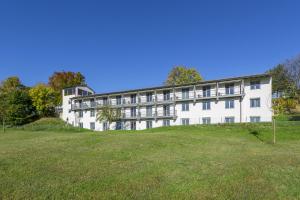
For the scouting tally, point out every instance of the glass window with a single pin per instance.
(255, 102)
(92, 113)
(206, 120)
(166, 110)
(149, 111)
(80, 114)
(105, 126)
(118, 125)
(185, 107)
(149, 96)
(185, 93)
(105, 101)
(166, 122)
(166, 95)
(133, 98)
(148, 124)
(254, 119)
(80, 124)
(206, 105)
(229, 104)
(229, 88)
(185, 121)
(132, 125)
(254, 85)
(229, 119)
(206, 91)
(92, 125)
(133, 112)
(119, 100)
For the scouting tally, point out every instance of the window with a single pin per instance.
(185, 93)
(80, 114)
(166, 110)
(133, 112)
(229, 88)
(105, 101)
(149, 111)
(133, 98)
(166, 95)
(118, 125)
(254, 119)
(132, 125)
(254, 85)
(92, 102)
(148, 124)
(255, 102)
(229, 104)
(206, 120)
(185, 107)
(206, 91)
(206, 105)
(229, 119)
(92, 113)
(80, 124)
(92, 125)
(166, 122)
(119, 100)
(83, 92)
(69, 91)
(149, 96)
(105, 126)
(185, 121)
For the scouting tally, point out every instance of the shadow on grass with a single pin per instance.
(256, 134)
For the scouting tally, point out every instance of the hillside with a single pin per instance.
(234, 161)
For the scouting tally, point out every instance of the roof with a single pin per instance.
(172, 86)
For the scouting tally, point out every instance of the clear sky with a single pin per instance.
(130, 44)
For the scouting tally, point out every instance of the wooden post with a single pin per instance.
(274, 130)
(3, 124)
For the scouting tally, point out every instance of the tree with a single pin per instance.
(293, 69)
(60, 80)
(108, 114)
(43, 99)
(284, 105)
(281, 80)
(183, 75)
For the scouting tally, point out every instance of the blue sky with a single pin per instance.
(131, 44)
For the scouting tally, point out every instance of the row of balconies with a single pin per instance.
(150, 115)
(151, 101)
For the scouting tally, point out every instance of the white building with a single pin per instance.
(239, 99)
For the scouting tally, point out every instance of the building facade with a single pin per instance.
(231, 100)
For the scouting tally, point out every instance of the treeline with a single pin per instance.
(20, 104)
(286, 85)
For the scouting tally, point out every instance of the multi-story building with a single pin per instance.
(231, 100)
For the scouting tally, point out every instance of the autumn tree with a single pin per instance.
(183, 75)
(43, 99)
(60, 80)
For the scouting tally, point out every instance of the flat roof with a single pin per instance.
(172, 86)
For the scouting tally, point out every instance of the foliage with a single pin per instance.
(15, 103)
(180, 162)
(60, 80)
(43, 98)
(293, 68)
(183, 75)
(284, 105)
(108, 114)
(19, 107)
(281, 81)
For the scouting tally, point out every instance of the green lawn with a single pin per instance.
(195, 162)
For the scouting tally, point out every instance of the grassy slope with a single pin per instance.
(196, 162)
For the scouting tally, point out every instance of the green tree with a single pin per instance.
(281, 81)
(284, 105)
(108, 114)
(183, 75)
(60, 80)
(43, 99)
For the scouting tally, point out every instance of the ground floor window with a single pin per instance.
(254, 119)
(92, 125)
(185, 121)
(118, 125)
(148, 124)
(105, 126)
(166, 122)
(229, 119)
(206, 120)
(132, 125)
(80, 124)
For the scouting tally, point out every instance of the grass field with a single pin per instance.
(50, 161)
